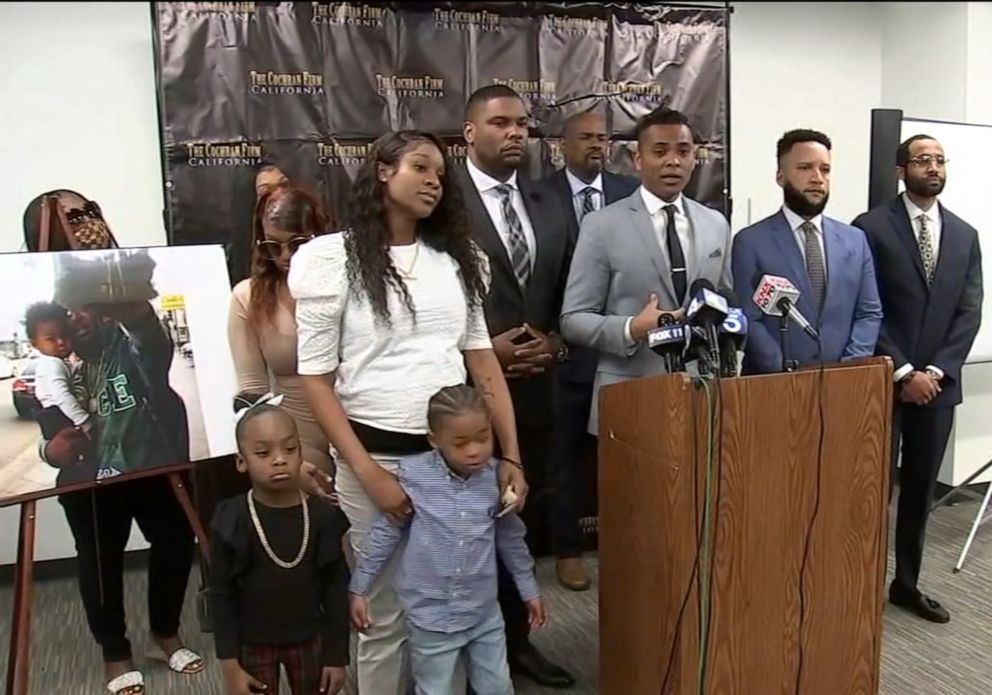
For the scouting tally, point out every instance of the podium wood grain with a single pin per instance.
(652, 473)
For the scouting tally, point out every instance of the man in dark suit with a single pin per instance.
(929, 269)
(583, 186)
(521, 227)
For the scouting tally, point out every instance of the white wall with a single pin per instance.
(978, 94)
(923, 53)
(78, 111)
(802, 65)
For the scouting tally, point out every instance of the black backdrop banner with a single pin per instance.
(308, 86)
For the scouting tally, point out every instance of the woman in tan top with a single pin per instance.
(262, 324)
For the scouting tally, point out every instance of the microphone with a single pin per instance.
(706, 312)
(668, 341)
(732, 337)
(777, 296)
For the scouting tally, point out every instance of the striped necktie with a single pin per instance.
(519, 253)
(588, 204)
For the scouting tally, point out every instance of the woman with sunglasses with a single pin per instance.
(389, 312)
(261, 323)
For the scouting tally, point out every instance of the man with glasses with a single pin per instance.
(929, 268)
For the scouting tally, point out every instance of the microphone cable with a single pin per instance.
(815, 514)
(693, 574)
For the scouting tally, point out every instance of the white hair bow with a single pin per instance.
(268, 399)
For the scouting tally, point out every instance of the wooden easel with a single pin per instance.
(18, 664)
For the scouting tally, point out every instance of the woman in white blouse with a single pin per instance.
(389, 312)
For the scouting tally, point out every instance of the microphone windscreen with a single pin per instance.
(699, 285)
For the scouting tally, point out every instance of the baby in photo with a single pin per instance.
(57, 385)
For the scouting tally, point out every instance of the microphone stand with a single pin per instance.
(783, 330)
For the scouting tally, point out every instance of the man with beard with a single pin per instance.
(828, 261)
(637, 258)
(521, 227)
(583, 186)
(929, 269)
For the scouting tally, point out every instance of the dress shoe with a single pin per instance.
(922, 605)
(526, 660)
(572, 573)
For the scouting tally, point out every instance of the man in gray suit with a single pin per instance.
(636, 259)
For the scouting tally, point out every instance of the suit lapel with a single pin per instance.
(532, 203)
(652, 245)
(486, 235)
(612, 192)
(698, 249)
(786, 241)
(834, 250)
(904, 230)
(560, 184)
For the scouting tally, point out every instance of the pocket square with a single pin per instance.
(716, 253)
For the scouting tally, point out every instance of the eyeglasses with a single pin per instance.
(272, 250)
(925, 160)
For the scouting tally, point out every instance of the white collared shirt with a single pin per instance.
(491, 198)
(936, 227)
(656, 210)
(933, 222)
(579, 186)
(659, 220)
(795, 222)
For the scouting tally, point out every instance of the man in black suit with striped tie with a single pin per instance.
(583, 185)
(521, 227)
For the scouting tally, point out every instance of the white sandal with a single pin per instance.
(130, 683)
(183, 660)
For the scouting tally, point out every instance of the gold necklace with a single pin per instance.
(265, 541)
(408, 272)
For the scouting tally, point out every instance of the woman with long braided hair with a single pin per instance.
(388, 312)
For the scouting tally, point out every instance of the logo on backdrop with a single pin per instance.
(457, 152)
(555, 153)
(272, 83)
(425, 87)
(532, 90)
(333, 154)
(573, 25)
(238, 154)
(458, 20)
(218, 8)
(641, 92)
(345, 14)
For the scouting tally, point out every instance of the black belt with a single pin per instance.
(389, 443)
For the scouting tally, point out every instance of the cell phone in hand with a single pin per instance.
(507, 508)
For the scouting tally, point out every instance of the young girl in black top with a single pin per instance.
(279, 581)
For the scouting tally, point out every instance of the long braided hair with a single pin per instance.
(369, 265)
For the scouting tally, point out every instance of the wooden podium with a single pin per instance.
(769, 533)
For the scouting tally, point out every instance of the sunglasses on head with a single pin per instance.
(272, 250)
(89, 211)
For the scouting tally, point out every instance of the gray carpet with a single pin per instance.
(917, 658)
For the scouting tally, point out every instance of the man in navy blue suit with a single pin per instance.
(929, 267)
(828, 261)
(583, 186)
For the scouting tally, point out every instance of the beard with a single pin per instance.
(924, 187)
(796, 201)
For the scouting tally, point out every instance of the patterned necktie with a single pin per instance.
(675, 255)
(587, 201)
(519, 253)
(926, 248)
(814, 263)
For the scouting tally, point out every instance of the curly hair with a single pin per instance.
(289, 208)
(369, 265)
